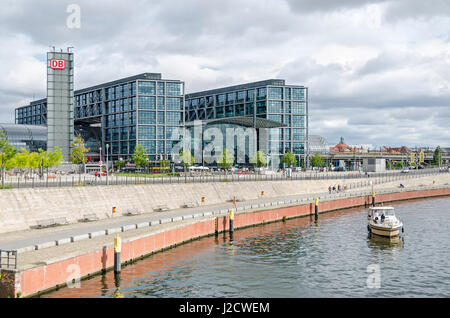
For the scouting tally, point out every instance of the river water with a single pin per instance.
(299, 258)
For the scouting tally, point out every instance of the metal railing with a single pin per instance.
(91, 180)
(8, 259)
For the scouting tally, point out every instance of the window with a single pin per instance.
(146, 117)
(174, 118)
(146, 88)
(174, 132)
(146, 102)
(298, 134)
(160, 134)
(220, 99)
(229, 111)
(174, 103)
(160, 103)
(230, 98)
(275, 107)
(147, 132)
(261, 108)
(161, 88)
(149, 146)
(298, 121)
(241, 96)
(275, 93)
(287, 93)
(298, 94)
(174, 89)
(261, 93)
(298, 107)
(250, 94)
(161, 146)
(220, 112)
(160, 117)
(274, 118)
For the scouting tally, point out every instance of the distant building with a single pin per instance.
(318, 144)
(343, 147)
(397, 151)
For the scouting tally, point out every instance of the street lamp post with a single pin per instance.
(107, 164)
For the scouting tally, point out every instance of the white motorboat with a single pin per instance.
(383, 222)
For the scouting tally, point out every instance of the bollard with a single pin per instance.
(373, 199)
(316, 209)
(231, 220)
(216, 231)
(117, 251)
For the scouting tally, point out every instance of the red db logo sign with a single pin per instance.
(57, 64)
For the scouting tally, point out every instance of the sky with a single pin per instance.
(378, 71)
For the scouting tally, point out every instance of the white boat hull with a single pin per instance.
(385, 230)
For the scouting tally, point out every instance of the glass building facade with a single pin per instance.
(142, 109)
(30, 137)
(271, 99)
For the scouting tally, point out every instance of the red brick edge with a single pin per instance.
(33, 281)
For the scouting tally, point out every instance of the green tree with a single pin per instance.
(437, 156)
(187, 159)
(317, 160)
(7, 152)
(399, 165)
(48, 159)
(120, 164)
(226, 160)
(259, 159)
(78, 153)
(139, 156)
(289, 159)
(164, 164)
(20, 160)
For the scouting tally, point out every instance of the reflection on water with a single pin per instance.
(385, 242)
(298, 258)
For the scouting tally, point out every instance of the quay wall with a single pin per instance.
(45, 277)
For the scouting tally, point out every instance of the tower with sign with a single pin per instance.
(60, 101)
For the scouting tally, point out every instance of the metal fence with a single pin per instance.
(8, 259)
(91, 180)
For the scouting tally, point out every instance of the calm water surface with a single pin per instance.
(298, 258)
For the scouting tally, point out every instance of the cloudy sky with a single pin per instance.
(378, 71)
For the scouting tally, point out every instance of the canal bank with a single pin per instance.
(45, 269)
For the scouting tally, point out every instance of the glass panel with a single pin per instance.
(146, 102)
(146, 88)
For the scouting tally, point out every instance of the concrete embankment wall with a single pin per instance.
(21, 209)
(43, 277)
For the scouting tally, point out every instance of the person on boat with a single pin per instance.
(382, 218)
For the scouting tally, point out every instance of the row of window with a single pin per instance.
(169, 103)
(31, 110)
(298, 134)
(145, 132)
(160, 88)
(279, 93)
(280, 147)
